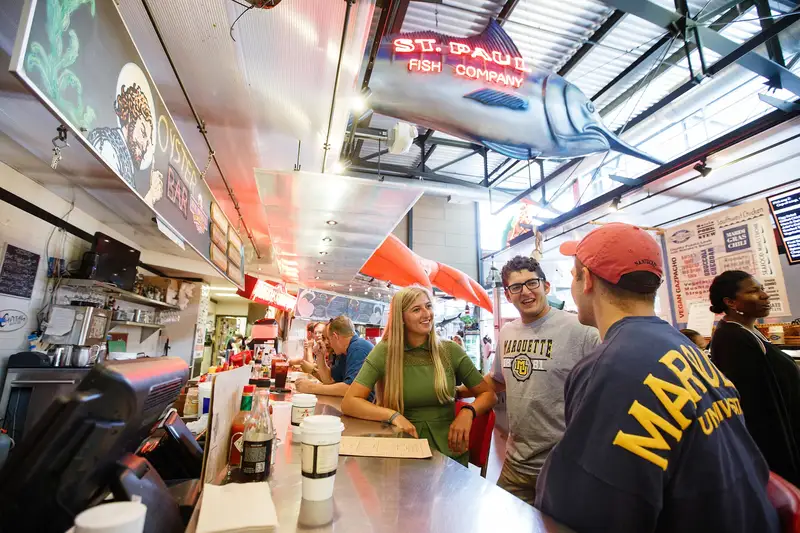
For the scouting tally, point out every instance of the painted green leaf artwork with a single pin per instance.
(59, 82)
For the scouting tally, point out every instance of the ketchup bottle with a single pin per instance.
(237, 427)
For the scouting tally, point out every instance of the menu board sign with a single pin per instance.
(18, 272)
(785, 210)
(323, 306)
(80, 61)
(740, 238)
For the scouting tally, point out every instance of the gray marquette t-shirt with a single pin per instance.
(536, 359)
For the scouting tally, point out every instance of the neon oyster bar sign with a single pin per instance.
(492, 66)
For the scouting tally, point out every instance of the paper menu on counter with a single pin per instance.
(701, 319)
(60, 321)
(385, 447)
(229, 508)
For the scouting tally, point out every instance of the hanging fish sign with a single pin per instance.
(480, 89)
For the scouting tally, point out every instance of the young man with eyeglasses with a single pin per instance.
(533, 357)
(655, 438)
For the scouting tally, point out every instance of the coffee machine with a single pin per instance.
(77, 332)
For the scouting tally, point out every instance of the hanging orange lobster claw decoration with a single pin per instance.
(394, 262)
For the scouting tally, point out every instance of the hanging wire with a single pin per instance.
(630, 115)
(237, 19)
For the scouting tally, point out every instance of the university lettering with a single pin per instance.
(674, 396)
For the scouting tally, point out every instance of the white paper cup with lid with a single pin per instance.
(320, 455)
(115, 517)
(303, 405)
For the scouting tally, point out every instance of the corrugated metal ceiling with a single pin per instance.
(549, 32)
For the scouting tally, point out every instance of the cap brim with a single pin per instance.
(569, 248)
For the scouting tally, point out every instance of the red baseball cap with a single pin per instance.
(616, 249)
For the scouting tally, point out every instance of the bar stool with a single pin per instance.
(480, 438)
(785, 497)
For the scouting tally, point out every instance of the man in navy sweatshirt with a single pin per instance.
(655, 438)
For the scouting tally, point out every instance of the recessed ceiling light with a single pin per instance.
(259, 269)
(323, 253)
(331, 222)
(326, 239)
(316, 277)
(319, 270)
(351, 289)
(320, 262)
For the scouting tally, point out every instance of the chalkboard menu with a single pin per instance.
(785, 210)
(18, 272)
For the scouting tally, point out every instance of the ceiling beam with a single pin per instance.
(711, 39)
(750, 129)
(688, 47)
(654, 50)
(609, 24)
(399, 16)
(773, 45)
(508, 7)
(507, 173)
(381, 134)
(365, 166)
(457, 160)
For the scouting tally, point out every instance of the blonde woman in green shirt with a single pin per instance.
(418, 373)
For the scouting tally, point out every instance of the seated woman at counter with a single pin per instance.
(313, 335)
(418, 374)
(767, 379)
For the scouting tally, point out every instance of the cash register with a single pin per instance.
(81, 451)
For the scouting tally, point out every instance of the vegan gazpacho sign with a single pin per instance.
(80, 60)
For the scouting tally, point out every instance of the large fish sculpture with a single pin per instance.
(479, 89)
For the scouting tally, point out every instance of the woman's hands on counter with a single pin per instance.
(405, 426)
(458, 438)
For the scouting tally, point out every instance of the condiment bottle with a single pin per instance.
(258, 436)
(237, 426)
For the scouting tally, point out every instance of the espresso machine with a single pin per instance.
(77, 334)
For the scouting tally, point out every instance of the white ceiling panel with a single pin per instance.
(298, 206)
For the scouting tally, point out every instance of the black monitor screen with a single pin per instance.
(116, 262)
(785, 210)
(69, 458)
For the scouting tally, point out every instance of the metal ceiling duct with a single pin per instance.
(467, 191)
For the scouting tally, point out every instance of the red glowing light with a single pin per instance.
(456, 48)
(491, 76)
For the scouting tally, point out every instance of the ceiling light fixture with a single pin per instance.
(323, 253)
(331, 222)
(326, 239)
(316, 277)
(351, 289)
(614, 207)
(319, 270)
(320, 262)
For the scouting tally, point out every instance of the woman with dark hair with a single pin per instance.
(767, 379)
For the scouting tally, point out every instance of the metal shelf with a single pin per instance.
(115, 323)
(119, 294)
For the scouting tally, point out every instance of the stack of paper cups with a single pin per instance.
(115, 517)
(320, 455)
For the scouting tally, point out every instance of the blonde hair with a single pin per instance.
(395, 339)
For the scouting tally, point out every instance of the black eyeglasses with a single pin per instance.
(532, 284)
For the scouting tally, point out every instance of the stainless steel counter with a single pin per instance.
(396, 495)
